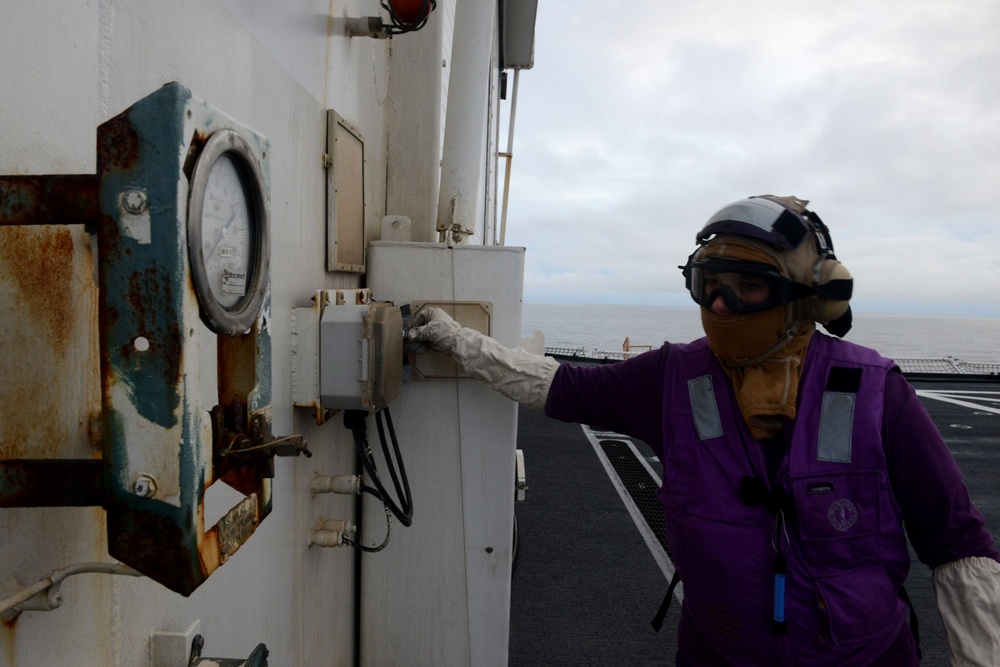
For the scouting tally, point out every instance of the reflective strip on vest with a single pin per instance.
(704, 408)
(836, 426)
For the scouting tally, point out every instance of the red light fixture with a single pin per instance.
(408, 15)
(404, 16)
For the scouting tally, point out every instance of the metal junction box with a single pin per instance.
(361, 356)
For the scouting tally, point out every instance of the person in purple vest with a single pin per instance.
(800, 452)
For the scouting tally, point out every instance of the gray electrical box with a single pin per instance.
(360, 356)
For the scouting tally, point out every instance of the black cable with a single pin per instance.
(402, 490)
(406, 496)
(355, 420)
(385, 542)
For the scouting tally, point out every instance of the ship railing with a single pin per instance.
(567, 352)
(909, 366)
(947, 366)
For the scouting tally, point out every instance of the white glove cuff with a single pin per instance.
(968, 597)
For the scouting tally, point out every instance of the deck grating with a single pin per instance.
(639, 484)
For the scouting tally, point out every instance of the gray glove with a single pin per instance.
(517, 374)
(433, 329)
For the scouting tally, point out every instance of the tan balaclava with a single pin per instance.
(762, 351)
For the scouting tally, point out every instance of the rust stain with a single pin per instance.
(48, 200)
(93, 364)
(39, 261)
(48, 300)
(209, 554)
(150, 295)
(10, 637)
(117, 145)
(51, 483)
(237, 356)
(153, 374)
(159, 542)
(198, 141)
(244, 479)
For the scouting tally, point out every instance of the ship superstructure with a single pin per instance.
(214, 219)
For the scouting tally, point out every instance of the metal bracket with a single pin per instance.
(235, 444)
(258, 658)
(51, 483)
(158, 354)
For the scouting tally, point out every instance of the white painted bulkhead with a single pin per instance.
(277, 68)
(450, 573)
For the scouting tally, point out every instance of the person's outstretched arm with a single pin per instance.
(515, 373)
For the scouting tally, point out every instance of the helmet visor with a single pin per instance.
(745, 287)
(761, 219)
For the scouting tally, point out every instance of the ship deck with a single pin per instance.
(588, 579)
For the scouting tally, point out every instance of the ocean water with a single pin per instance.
(605, 327)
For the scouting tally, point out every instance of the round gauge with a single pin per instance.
(228, 234)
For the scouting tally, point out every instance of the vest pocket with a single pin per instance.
(858, 606)
(725, 568)
(838, 518)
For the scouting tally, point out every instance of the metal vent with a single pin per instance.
(639, 484)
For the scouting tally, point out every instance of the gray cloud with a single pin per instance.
(633, 129)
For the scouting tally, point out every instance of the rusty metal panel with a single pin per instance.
(48, 200)
(52, 483)
(48, 302)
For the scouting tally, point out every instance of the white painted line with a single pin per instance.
(965, 392)
(939, 396)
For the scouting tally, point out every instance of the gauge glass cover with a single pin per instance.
(227, 234)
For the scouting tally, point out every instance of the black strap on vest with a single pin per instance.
(845, 380)
(914, 629)
(754, 493)
(657, 621)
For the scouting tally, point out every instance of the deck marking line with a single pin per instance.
(948, 399)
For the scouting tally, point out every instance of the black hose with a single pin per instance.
(355, 420)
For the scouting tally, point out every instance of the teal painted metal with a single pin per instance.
(158, 447)
(142, 284)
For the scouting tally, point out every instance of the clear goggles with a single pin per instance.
(745, 287)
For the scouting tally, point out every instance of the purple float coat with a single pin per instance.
(851, 489)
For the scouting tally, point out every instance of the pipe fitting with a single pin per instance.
(339, 525)
(366, 26)
(326, 538)
(343, 484)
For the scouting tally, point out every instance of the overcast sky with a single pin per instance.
(640, 119)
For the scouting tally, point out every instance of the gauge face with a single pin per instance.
(228, 241)
(227, 234)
